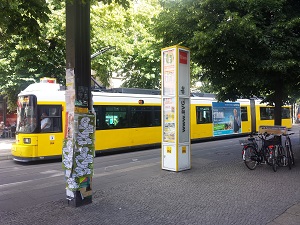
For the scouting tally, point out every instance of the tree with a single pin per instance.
(32, 45)
(246, 48)
(26, 57)
(32, 37)
(135, 56)
(22, 18)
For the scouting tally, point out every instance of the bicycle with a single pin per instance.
(282, 155)
(267, 146)
(252, 154)
(288, 146)
(277, 156)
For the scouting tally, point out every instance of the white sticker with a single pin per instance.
(70, 193)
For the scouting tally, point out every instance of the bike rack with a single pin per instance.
(273, 130)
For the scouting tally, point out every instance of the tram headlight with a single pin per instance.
(26, 140)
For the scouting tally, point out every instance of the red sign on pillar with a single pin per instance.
(183, 57)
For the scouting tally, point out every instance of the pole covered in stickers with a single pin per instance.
(78, 148)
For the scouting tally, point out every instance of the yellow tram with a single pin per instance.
(124, 120)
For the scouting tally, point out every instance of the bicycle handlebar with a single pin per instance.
(264, 135)
(287, 134)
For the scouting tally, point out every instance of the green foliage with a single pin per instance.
(246, 48)
(32, 35)
(123, 3)
(135, 56)
(33, 46)
(22, 18)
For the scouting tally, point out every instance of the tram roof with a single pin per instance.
(45, 91)
(36, 87)
(54, 91)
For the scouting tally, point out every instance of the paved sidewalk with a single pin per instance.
(290, 217)
(5, 148)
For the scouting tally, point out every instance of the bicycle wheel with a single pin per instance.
(275, 159)
(292, 157)
(274, 164)
(291, 151)
(268, 155)
(250, 157)
(289, 157)
(281, 156)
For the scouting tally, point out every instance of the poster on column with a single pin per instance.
(226, 118)
(169, 128)
(169, 72)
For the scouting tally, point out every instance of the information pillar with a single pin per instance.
(176, 147)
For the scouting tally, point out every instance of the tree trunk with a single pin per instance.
(277, 113)
(278, 100)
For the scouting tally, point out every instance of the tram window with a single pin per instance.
(145, 116)
(244, 114)
(110, 117)
(116, 117)
(27, 114)
(203, 114)
(101, 123)
(157, 116)
(266, 113)
(286, 114)
(142, 116)
(54, 113)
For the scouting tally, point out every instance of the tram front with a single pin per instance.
(25, 147)
(39, 130)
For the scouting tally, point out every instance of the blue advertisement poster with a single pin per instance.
(226, 118)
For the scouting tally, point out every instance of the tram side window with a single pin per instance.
(111, 117)
(204, 114)
(144, 116)
(117, 117)
(286, 113)
(53, 116)
(266, 113)
(244, 114)
(101, 122)
(157, 116)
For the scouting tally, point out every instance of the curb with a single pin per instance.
(5, 157)
(5, 149)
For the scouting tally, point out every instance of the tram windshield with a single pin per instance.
(26, 114)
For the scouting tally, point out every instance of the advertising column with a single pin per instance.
(176, 155)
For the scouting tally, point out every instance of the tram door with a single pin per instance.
(50, 126)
